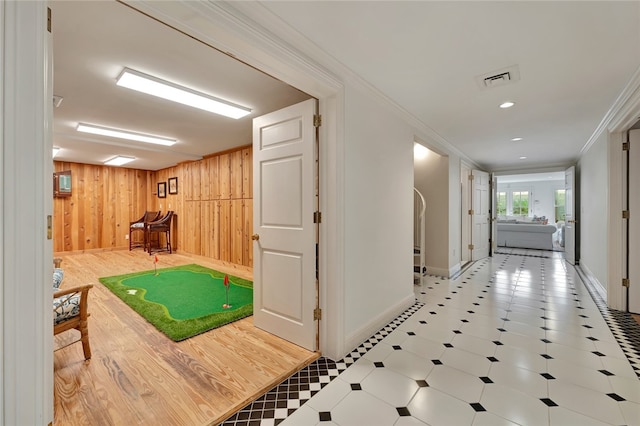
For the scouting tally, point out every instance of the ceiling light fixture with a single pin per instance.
(516, 139)
(119, 160)
(508, 104)
(523, 158)
(150, 85)
(124, 134)
(55, 150)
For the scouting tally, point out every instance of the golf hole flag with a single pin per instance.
(226, 286)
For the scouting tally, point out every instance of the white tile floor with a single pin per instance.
(514, 340)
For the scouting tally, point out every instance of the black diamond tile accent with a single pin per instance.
(477, 406)
(606, 373)
(422, 322)
(587, 326)
(497, 342)
(471, 312)
(546, 356)
(547, 376)
(616, 397)
(505, 319)
(397, 348)
(598, 353)
(411, 333)
(486, 379)
(436, 361)
(325, 416)
(546, 340)
(403, 411)
(448, 345)
(502, 330)
(422, 383)
(457, 331)
(549, 402)
(356, 386)
(433, 313)
(378, 364)
(545, 328)
(464, 320)
(493, 359)
(593, 339)
(440, 304)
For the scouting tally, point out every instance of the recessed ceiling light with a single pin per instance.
(55, 151)
(516, 139)
(124, 134)
(151, 85)
(508, 104)
(119, 160)
(523, 158)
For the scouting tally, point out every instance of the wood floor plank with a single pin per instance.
(139, 376)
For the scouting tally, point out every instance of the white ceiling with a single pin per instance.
(93, 41)
(574, 58)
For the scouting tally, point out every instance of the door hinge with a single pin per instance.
(625, 146)
(317, 314)
(471, 247)
(49, 19)
(317, 120)
(471, 177)
(625, 282)
(317, 217)
(625, 214)
(471, 212)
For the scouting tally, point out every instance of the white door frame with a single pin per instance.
(26, 194)
(230, 28)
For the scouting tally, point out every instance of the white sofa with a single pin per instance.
(526, 235)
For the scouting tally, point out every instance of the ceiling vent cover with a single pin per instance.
(498, 78)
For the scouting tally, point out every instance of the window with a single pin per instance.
(501, 199)
(520, 203)
(559, 204)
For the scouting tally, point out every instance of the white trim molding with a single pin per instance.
(27, 199)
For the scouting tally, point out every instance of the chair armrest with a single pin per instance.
(80, 289)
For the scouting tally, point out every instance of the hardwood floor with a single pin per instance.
(138, 376)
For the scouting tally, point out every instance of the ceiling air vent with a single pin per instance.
(498, 78)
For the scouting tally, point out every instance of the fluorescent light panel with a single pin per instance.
(55, 151)
(119, 160)
(150, 85)
(124, 134)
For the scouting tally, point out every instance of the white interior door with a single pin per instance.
(494, 213)
(466, 220)
(284, 278)
(634, 221)
(480, 203)
(569, 216)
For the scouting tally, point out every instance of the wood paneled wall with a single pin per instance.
(104, 200)
(213, 206)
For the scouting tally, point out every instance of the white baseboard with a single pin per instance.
(601, 289)
(442, 271)
(372, 327)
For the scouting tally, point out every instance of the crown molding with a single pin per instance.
(622, 114)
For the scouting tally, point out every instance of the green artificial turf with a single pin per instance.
(185, 300)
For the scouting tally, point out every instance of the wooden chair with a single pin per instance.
(141, 225)
(162, 225)
(70, 312)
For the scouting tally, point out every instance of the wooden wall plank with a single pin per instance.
(247, 242)
(224, 176)
(237, 228)
(225, 230)
(235, 175)
(247, 173)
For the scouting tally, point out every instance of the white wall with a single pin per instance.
(593, 217)
(455, 221)
(431, 176)
(378, 216)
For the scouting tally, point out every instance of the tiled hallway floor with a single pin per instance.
(516, 339)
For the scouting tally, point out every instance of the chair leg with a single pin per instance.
(84, 337)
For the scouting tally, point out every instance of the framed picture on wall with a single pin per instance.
(173, 185)
(162, 189)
